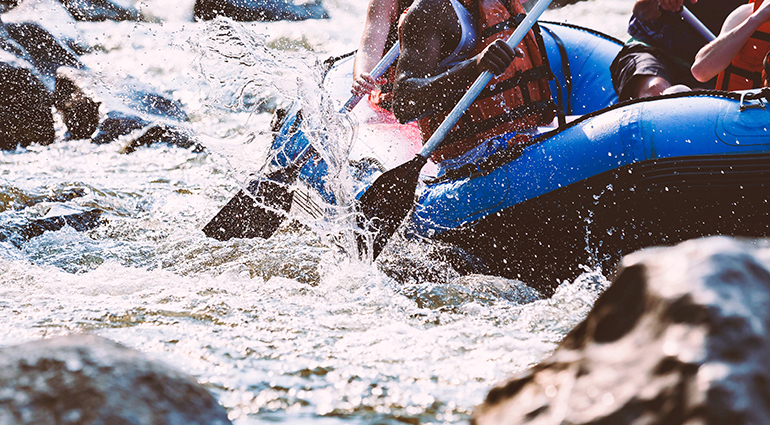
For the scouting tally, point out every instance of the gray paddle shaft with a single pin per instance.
(377, 72)
(481, 82)
(698, 25)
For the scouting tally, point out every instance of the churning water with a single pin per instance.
(290, 329)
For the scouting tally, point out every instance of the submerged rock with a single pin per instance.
(19, 233)
(259, 10)
(89, 380)
(681, 337)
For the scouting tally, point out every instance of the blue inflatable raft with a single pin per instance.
(618, 178)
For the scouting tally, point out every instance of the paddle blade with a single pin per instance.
(255, 215)
(388, 201)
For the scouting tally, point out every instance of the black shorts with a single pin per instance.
(636, 59)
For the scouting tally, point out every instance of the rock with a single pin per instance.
(54, 17)
(79, 111)
(162, 133)
(46, 51)
(25, 106)
(259, 10)
(127, 106)
(19, 233)
(117, 124)
(681, 337)
(101, 10)
(6, 5)
(39, 71)
(88, 380)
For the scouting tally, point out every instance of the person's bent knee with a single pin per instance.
(648, 85)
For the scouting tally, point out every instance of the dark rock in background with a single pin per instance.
(47, 53)
(38, 71)
(6, 5)
(681, 337)
(259, 10)
(79, 112)
(25, 105)
(100, 10)
(88, 380)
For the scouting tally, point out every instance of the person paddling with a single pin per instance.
(445, 46)
(380, 33)
(663, 46)
(739, 55)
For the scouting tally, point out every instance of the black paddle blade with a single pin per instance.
(387, 202)
(256, 215)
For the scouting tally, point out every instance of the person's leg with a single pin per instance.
(640, 71)
(647, 85)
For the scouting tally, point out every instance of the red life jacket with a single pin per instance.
(745, 71)
(517, 99)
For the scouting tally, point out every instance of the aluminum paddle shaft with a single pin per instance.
(377, 72)
(698, 25)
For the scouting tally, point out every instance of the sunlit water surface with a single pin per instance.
(290, 329)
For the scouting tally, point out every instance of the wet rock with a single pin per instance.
(79, 111)
(101, 10)
(19, 233)
(259, 10)
(25, 106)
(127, 106)
(681, 337)
(164, 134)
(54, 17)
(117, 124)
(47, 53)
(6, 5)
(88, 380)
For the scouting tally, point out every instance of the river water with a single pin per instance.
(289, 329)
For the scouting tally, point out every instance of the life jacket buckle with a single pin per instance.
(743, 106)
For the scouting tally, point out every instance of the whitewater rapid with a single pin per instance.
(288, 329)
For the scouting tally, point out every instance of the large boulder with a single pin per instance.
(259, 10)
(681, 337)
(88, 380)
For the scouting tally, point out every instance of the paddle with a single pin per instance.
(390, 198)
(262, 207)
(698, 25)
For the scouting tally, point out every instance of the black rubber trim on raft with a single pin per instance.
(514, 152)
(588, 30)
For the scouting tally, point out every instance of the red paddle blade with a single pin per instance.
(388, 201)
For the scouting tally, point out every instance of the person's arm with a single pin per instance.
(419, 88)
(380, 14)
(714, 57)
